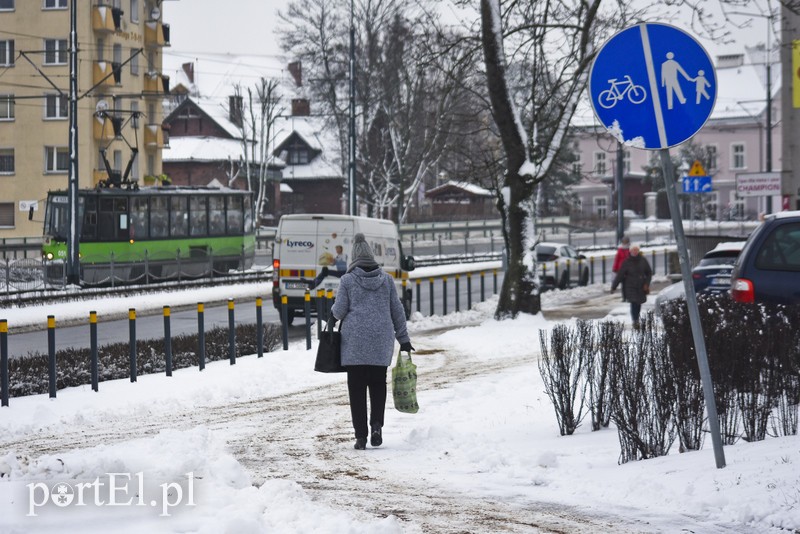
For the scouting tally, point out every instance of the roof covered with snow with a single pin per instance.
(206, 149)
(470, 189)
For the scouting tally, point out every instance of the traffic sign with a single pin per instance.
(653, 86)
(697, 184)
(697, 169)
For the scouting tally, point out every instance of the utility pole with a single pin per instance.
(73, 261)
(620, 175)
(351, 164)
(769, 104)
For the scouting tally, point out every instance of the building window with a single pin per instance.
(6, 107)
(737, 156)
(55, 107)
(101, 47)
(55, 4)
(6, 5)
(711, 156)
(626, 161)
(134, 10)
(55, 51)
(577, 168)
(601, 207)
(600, 163)
(7, 215)
(6, 161)
(135, 114)
(134, 62)
(56, 159)
(298, 156)
(7, 53)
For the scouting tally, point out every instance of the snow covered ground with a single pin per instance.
(266, 446)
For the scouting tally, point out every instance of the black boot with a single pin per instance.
(361, 444)
(377, 437)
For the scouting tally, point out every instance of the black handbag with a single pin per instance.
(329, 351)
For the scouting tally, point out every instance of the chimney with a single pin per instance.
(296, 70)
(188, 68)
(235, 110)
(300, 107)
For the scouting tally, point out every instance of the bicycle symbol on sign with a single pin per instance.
(619, 90)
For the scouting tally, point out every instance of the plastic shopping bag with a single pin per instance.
(404, 384)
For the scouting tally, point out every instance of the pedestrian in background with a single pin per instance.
(372, 318)
(623, 251)
(634, 274)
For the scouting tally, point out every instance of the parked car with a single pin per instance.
(768, 268)
(713, 273)
(559, 265)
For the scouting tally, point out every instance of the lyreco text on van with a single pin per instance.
(306, 243)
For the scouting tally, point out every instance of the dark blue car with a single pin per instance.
(768, 268)
(713, 273)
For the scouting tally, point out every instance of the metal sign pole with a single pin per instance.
(691, 301)
(73, 265)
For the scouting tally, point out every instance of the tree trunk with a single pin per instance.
(519, 292)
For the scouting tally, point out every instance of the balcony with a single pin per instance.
(106, 73)
(103, 129)
(156, 83)
(156, 34)
(153, 136)
(106, 19)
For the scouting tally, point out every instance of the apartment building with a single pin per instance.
(120, 89)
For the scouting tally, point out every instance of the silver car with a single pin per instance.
(560, 265)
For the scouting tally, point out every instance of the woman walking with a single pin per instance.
(623, 251)
(634, 274)
(372, 318)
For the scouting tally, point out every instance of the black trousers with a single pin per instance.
(361, 378)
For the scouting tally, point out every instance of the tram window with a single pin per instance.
(159, 215)
(216, 213)
(89, 228)
(139, 219)
(112, 219)
(198, 218)
(178, 217)
(235, 215)
(248, 216)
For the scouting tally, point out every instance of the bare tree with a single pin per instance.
(255, 117)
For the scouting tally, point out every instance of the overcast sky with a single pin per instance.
(247, 27)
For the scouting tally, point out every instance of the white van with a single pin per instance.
(306, 243)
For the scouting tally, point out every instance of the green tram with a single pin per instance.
(151, 234)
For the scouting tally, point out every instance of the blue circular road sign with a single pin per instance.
(653, 86)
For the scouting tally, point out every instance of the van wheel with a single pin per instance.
(563, 281)
(585, 277)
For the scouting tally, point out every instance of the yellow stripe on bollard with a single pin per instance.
(307, 296)
(166, 311)
(200, 307)
(284, 299)
(3, 326)
(51, 321)
(92, 317)
(259, 302)
(230, 304)
(131, 314)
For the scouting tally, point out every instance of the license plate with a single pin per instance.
(721, 281)
(296, 285)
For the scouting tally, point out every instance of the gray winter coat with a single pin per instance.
(635, 273)
(372, 317)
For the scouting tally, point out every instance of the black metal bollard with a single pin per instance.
(259, 327)
(328, 304)
(51, 352)
(591, 267)
(469, 291)
(167, 341)
(494, 274)
(603, 259)
(653, 262)
(444, 295)
(93, 350)
(320, 304)
(132, 344)
(4, 362)
(285, 321)
(419, 296)
(307, 310)
(458, 290)
(231, 333)
(483, 286)
(201, 337)
(431, 294)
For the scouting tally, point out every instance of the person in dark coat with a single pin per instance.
(623, 251)
(634, 275)
(372, 319)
